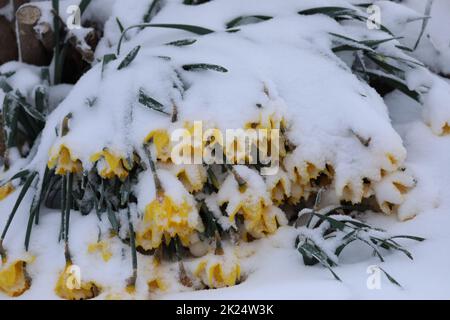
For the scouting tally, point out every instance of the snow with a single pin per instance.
(286, 66)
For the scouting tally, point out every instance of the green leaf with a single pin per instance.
(41, 99)
(204, 66)
(329, 11)
(7, 74)
(390, 278)
(129, 58)
(69, 203)
(408, 237)
(181, 43)
(10, 118)
(150, 13)
(307, 249)
(107, 58)
(45, 75)
(22, 194)
(112, 218)
(121, 28)
(4, 85)
(375, 43)
(19, 175)
(185, 27)
(132, 280)
(394, 83)
(380, 61)
(238, 21)
(29, 109)
(83, 5)
(151, 103)
(209, 221)
(424, 22)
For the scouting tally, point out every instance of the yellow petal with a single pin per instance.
(71, 287)
(6, 190)
(14, 280)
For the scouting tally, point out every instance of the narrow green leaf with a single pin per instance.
(22, 194)
(151, 11)
(204, 66)
(4, 85)
(238, 21)
(182, 43)
(107, 58)
(408, 237)
(394, 83)
(83, 5)
(151, 103)
(129, 58)
(329, 11)
(391, 279)
(185, 27)
(29, 109)
(41, 99)
(112, 218)
(121, 28)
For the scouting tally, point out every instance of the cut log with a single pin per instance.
(35, 39)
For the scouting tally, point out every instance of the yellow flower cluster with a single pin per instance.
(165, 219)
(218, 273)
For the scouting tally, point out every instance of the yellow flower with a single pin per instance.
(63, 162)
(391, 190)
(252, 202)
(103, 248)
(217, 274)
(156, 284)
(70, 286)
(446, 129)
(14, 280)
(113, 165)
(192, 176)
(279, 187)
(161, 140)
(6, 190)
(166, 219)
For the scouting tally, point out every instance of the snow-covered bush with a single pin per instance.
(310, 70)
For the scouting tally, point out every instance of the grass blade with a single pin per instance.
(237, 21)
(107, 58)
(83, 5)
(151, 103)
(182, 43)
(390, 278)
(129, 58)
(204, 66)
(22, 194)
(185, 27)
